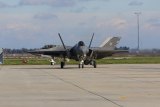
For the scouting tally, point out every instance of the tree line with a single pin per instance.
(16, 51)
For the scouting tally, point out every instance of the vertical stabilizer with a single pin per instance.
(110, 43)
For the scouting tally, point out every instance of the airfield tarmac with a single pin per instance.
(106, 86)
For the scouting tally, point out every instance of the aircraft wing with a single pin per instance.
(104, 52)
(55, 51)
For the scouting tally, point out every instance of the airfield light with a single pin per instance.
(137, 14)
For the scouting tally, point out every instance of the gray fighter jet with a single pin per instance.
(86, 55)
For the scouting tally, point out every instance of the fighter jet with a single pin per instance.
(86, 55)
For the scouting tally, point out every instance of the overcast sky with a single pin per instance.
(34, 23)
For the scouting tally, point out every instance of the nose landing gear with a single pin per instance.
(81, 64)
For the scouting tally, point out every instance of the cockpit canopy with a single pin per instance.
(48, 46)
(81, 43)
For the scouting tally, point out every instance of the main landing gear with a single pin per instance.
(82, 63)
(62, 64)
(94, 64)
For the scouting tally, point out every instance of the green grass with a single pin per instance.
(33, 61)
(29, 62)
(110, 60)
(130, 60)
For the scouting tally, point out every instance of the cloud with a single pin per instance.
(17, 27)
(45, 16)
(119, 23)
(80, 9)
(153, 23)
(93, 0)
(54, 3)
(114, 24)
(135, 3)
(3, 5)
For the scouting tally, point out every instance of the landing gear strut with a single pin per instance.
(81, 64)
(94, 64)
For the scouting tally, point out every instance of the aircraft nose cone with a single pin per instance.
(84, 50)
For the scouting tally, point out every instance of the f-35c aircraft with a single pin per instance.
(86, 55)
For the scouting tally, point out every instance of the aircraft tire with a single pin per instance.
(82, 65)
(62, 64)
(94, 64)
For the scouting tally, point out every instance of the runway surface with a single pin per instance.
(105, 86)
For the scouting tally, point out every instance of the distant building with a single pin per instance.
(1, 56)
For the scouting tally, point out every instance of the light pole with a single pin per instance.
(137, 14)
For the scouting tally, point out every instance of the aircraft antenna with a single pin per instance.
(62, 41)
(91, 40)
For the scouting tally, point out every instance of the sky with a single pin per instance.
(34, 23)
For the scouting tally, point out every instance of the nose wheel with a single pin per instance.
(81, 64)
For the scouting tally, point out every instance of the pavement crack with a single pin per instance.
(88, 91)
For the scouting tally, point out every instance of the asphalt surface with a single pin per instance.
(105, 86)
